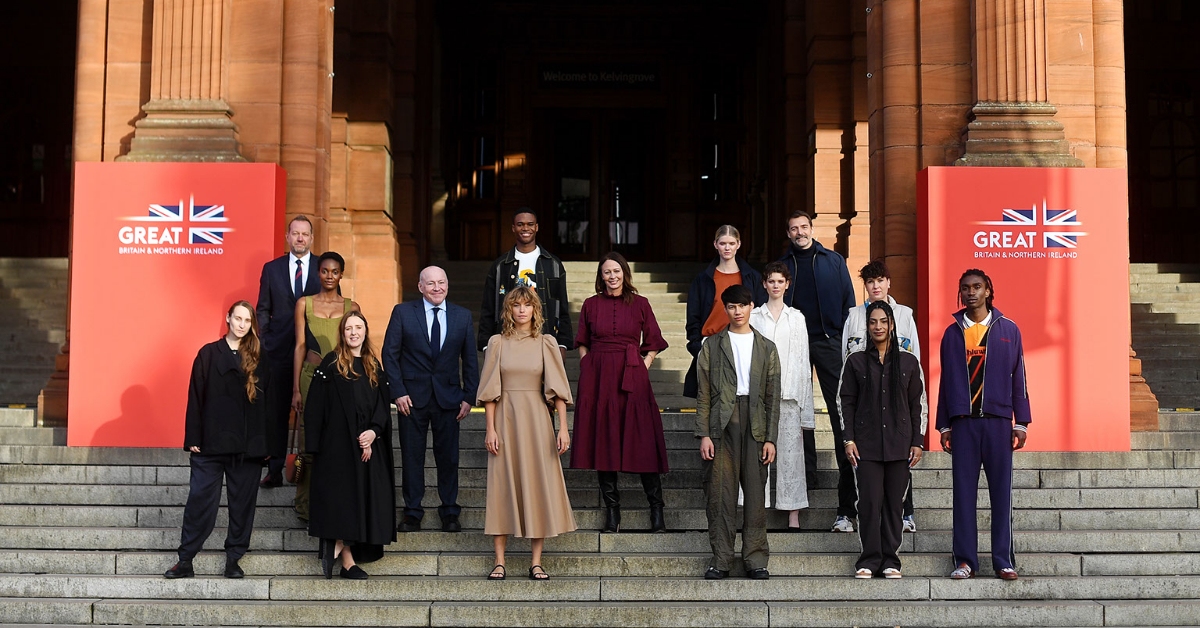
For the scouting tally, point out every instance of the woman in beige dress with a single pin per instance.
(523, 372)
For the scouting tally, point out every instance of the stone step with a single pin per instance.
(1179, 421)
(1165, 440)
(33, 435)
(924, 477)
(933, 613)
(18, 417)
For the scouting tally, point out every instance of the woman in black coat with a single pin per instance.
(348, 431)
(225, 431)
(880, 394)
(705, 312)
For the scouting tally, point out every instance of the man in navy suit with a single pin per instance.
(429, 359)
(284, 280)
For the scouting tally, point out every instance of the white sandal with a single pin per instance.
(891, 573)
(863, 574)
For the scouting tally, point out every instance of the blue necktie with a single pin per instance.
(435, 335)
(299, 278)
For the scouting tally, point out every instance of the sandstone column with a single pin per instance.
(187, 116)
(1013, 121)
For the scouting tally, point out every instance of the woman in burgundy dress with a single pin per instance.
(617, 424)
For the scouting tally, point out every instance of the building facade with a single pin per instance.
(411, 129)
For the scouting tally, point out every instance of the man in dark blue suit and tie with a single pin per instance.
(429, 359)
(284, 280)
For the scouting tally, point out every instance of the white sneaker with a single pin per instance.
(843, 524)
(910, 524)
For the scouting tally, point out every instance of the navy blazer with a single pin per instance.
(277, 306)
(408, 363)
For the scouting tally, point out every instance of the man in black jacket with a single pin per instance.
(531, 265)
(821, 289)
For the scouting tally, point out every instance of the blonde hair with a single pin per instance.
(345, 358)
(521, 294)
(727, 230)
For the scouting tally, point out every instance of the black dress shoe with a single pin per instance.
(716, 574)
(409, 524)
(353, 573)
(758, 574)
(271, 481)
(233, 569)
(450, 524)
(182, 569)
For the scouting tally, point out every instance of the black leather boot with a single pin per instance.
(612, 500)
(652, 484)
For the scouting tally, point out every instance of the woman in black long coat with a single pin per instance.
(348, 431)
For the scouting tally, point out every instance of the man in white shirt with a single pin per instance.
(737, 422)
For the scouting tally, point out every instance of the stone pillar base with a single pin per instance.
(1020, 134)
(184, 130)
(52, 401)
(1143, 405)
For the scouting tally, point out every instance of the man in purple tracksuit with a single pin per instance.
(983, 412)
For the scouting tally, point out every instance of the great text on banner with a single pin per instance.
(159, 253)
(1055, 241)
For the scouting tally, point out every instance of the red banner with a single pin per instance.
(159, 253)
(1055, 242)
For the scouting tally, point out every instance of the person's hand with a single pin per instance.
(366, 438)
(768, 454)
(564, 442)
(914, 456)
(297, 401)
(707, 450)
(404, 405)
(1019, 437)
(464, 409)
(852, 454)
(492, 441)
(366, 454)
(194, 449)
(648, 360)
(946, 441)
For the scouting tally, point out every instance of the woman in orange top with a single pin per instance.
(705, 313)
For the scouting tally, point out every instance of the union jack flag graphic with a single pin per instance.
(195, 214)
(1051, 217)
(1015, 218)
(1061, 240)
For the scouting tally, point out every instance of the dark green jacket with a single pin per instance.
(716, 376)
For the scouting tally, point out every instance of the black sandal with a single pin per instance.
(498, 575)
(536, 575)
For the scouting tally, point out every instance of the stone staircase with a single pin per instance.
(33, 325)
(664, 284)
(1103, 539)
(1165, 307)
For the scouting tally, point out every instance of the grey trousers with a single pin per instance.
(737, 463)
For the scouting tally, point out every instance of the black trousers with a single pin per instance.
(826, 357)
(413, 430)
(280, 390)
(881, 487)
(204, 497)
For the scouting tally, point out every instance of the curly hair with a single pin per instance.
(521, 294)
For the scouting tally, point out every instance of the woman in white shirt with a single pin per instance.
(785, 327)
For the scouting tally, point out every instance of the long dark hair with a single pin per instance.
(987, 282)
(249, 349)
(891, 360)
(627, 289)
